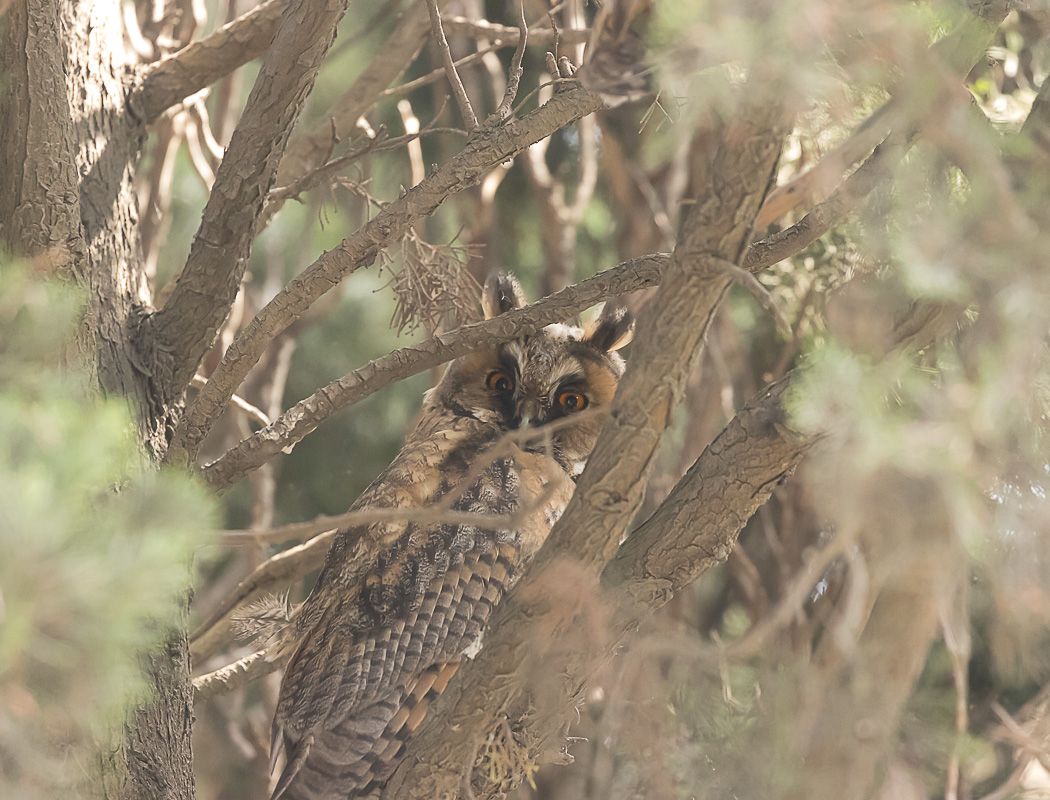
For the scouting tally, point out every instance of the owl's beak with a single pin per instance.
(529, 413)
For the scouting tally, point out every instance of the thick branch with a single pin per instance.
(208, 284)
(671, 331)
(198, 65)
(695, 527)
(610, 489)
(305, 416)
(489, 147)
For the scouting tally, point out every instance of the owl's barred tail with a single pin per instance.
(374, 739)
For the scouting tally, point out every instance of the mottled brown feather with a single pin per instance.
(397, 604)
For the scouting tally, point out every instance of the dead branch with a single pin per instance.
(514, 76)
(185, 72)
(209, 282)
(504, 34)
(312, 149)
(306, 415)
(489, 147)
(233, 676)
(460, 93)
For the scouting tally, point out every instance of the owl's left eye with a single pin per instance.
(572, 401)
(500, 381)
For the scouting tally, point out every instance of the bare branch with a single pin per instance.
(465, 109)
(233, 676)
(313, 148)
(185, 72)
(695, 527)
(514, 76)
(209, 282)
(820, 220)
(489, 147)
(503, 34)
(306, 415)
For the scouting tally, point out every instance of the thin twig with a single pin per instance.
(506, 35)
(458, 91)
(307, 414)
(761, 294)
(199, 381)
(514, 76)
(487, 148)
(437, 74)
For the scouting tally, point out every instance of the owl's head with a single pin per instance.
(557, 381)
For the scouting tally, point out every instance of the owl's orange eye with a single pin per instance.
(500, 381)
(572, 401)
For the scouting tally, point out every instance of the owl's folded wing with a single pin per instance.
(362, 677)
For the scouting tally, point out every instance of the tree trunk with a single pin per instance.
(67, 202)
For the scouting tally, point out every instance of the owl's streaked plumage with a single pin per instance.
(398, 603)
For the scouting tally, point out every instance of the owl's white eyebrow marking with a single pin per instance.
(568, 368)
(515, 352)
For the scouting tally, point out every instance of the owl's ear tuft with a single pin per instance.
(612, 329)
(502, 293)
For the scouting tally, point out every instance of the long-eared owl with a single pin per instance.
(397, 603)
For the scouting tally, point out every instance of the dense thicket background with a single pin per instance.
(882, 626)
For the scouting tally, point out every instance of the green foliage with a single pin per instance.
(96, 546)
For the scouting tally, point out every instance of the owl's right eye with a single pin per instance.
(500, 381)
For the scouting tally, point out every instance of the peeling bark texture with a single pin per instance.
(304, 417)
(209, 282)
(693, 530)
(489, 147)
(198, 65)
(41, 178)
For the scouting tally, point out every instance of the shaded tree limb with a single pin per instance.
(307, 414)
(208, 284)
(169, 81)
(490, 146)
